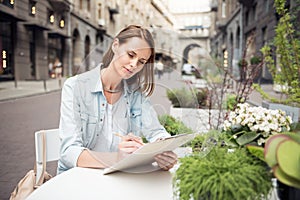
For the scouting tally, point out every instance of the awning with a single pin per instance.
(36, 25)
(56, 34)
(6, 16)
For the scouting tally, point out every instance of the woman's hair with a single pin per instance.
(144, 78)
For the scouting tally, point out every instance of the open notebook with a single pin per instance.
(141, 161)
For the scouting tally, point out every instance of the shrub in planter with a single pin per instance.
(185, 98)
(222, 174)
(173, 126)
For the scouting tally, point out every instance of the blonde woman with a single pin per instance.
(112, 99)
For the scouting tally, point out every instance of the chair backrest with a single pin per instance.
(52, 142)
(52, 145)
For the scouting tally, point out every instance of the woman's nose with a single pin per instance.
(133, 63)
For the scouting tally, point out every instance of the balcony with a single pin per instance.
(60, 5)
(247, 3)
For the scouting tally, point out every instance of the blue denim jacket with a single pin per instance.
(83, 110)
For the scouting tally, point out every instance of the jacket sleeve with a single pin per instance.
(150, 125)
(69, 126)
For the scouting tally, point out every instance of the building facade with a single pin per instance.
(242, 28)
(38, 37)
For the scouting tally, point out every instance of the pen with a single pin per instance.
(132, 137)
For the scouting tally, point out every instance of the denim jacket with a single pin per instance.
(82, 112)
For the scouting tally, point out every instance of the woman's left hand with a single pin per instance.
(166, 160)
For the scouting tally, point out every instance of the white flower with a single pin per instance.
(258, 119)
(261, 141)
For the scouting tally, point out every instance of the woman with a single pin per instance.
(110, 100)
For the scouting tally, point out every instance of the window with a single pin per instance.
(99, 11)
(51, 16)
(88, 5)
(264, 35)
(8, 3)
(32, 8)
(255, 12)
(223, 9)
(267, 5)
(247, 18)
(62, 23)
(80, 4)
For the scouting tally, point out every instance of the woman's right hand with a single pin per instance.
(130, 143)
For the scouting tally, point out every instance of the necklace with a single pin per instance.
(107, 89)
(111, 91)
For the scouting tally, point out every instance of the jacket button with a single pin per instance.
(101, 120)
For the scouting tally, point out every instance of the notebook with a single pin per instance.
(142, 160)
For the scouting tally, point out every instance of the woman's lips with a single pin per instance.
(128, 70)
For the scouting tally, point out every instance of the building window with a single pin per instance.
(264, 35)
(267, 5)
(247, 18)
(255, 12)
(62, 23)
(88, 6)
(51, 16)
(225, 58)
(8, 3)
(32, 8)
(80, 4)
(223, 9)
(99, 11)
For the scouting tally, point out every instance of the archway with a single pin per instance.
(76, 52)
(87, 43)
(185, 56)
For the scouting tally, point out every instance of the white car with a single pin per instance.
(187, 69)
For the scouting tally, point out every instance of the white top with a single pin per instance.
(114, 122)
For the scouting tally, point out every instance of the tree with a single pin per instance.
(287, 51)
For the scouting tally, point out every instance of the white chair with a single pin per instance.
(52, 147)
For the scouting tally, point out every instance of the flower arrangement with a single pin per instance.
(249, 124)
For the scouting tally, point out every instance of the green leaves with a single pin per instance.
(222, 175)
(247, 138)
(173, 126)
(282, 153)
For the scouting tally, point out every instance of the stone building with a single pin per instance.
(33, 34)
(36, 35)
(244, 26)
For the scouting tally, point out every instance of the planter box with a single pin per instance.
(196, 119)
(294, 112)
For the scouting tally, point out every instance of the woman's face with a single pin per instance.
(130, 57)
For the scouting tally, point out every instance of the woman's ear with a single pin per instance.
(115, 45)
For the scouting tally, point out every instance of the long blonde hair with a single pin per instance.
(145, 78)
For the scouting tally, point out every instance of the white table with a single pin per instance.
(84, 183)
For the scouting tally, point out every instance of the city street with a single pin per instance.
(19, 120)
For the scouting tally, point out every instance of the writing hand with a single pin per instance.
(130, 143)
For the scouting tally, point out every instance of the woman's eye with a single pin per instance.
(142, 62)
(130, 55)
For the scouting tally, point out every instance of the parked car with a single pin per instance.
(187, 69)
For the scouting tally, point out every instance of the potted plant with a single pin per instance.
(270, 136)
(190, 107)
(215, 171)
(253, 125)
(173, 126)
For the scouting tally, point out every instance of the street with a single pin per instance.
(19, 120)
